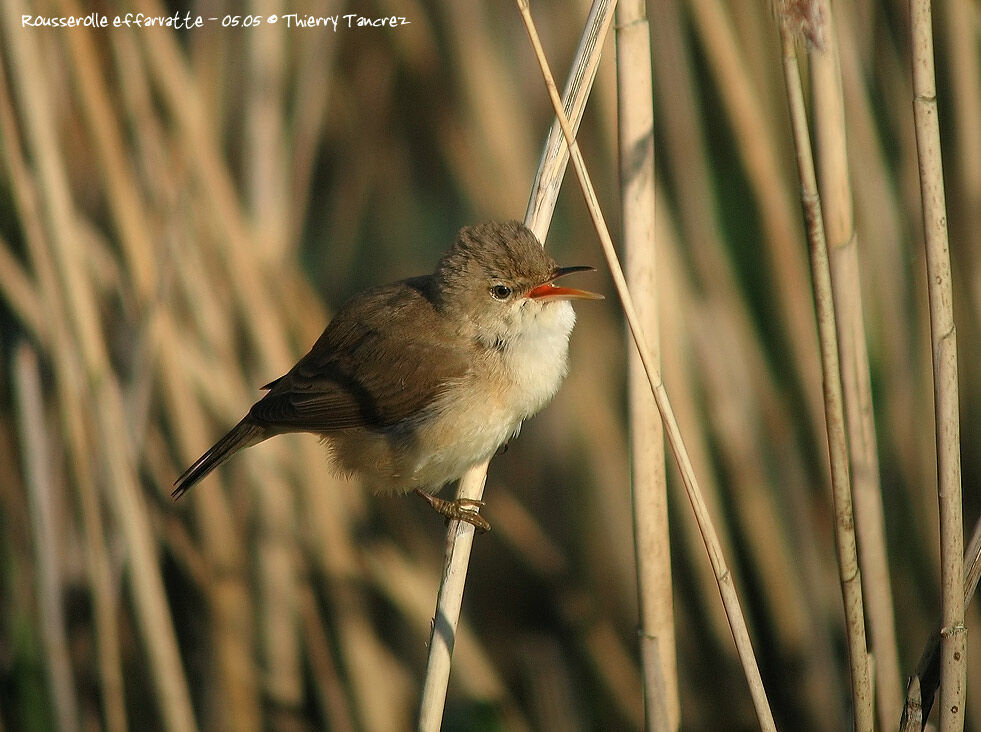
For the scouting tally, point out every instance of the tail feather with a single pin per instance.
(245, 434)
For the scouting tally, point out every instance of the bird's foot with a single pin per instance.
(459, 509)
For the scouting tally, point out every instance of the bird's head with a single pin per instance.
(498, 282)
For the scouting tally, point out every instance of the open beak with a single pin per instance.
(547, 290)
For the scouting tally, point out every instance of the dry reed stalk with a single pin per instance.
(753, 131)
(555, 704)
(890, 306)
(964, 69)
(953, 671)
(18, 291)
(471, 486)
(326, 521)
(635, 115)
(607, 653)
(729, 597)
(122, 192)
(880, 219)
(498, 130)
(743, 394)
(597, 437)
(922, 687)
(972, 562)
(229, 599)
(197, 139)
(224, 554)
(555, 156)
(834, 185)
(677, 306)
(97, 377)
(729, 373)
(57, 341)
(106, 602)
(40, 492)
(326, 518)
(731, 366)
(312, 89)
(371, 672)
(336, 712)
(408, 586)
(724, 339)
(598, 441)
(267, 191)
(845, 540)
(278, 587)
(18, 288)
(716, 310)
(153, 613)
(266, 153)
(278, 593)
(459, 541)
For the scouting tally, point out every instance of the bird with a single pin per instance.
(413, 383)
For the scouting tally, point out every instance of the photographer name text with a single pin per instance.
(186, 21)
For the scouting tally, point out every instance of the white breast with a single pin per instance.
(536, 358)
(513, 383)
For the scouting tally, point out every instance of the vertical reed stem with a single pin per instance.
(730, 599)
(47, 546)
(459, 538)
(848, 567)
(635, 116)
(953, 665)
(843, 247)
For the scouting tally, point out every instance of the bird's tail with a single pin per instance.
(245, 434)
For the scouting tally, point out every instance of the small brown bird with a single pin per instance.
(413, 383)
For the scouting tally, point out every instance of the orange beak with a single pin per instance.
(550, 291)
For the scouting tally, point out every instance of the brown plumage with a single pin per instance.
(412, 383)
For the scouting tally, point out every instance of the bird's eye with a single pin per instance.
(500, 292)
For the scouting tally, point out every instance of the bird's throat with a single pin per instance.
(535, 361)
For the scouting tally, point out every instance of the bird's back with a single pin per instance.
(386, 354)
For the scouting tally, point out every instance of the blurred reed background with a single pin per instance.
(181, 211)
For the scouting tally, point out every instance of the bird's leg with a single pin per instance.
(460, 509)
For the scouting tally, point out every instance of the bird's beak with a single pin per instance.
(547, 290)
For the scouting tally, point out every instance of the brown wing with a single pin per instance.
(383, 357)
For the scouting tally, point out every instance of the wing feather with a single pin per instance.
(383, 357)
